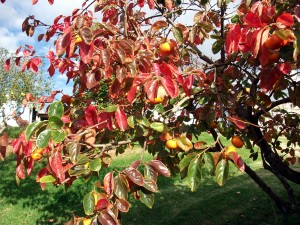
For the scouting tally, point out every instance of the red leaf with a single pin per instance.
(131, 94)
(91, 115)
(102, 204)
(115, 89)
(285, 19)
(159, 167)
(122, 205)
(108, 183)
(170, 86)
(37, 61)
(187, 85)
(257, 40)
(134, 175)
(28, 148)
(7, 65)
(20, 171)
(107, 217)
(269, 77)
(50, 55)
(237, 121)
(18, 50)
(285, 68)
(151, 88)
(232, 38)
(2, 152)
(253, 20)
(30, 166)
(33, 67)
(238, 161)
(297, 13)
(169, 4)
(42, 172)
(141, 3)
(156, 69)
(56, 165)
(66, 119)
(121, 119)
(86, 52)
(151, 4)
(4, 140)
(51, 70)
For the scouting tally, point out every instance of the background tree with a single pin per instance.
(160, 91)
(15, 86)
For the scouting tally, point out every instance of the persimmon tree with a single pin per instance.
(130, 87)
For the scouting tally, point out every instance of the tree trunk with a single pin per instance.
(273, 159)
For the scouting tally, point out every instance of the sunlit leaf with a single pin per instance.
(147, 199)
(158, 126)
(32, 128)
(186, 161)
(121, 187)
(107, 217)
(95, 164)
(89, 203)
(184, 143)
(150, 184)
(134, 175)
(43, 138)
(194, 173)
(122, 205)
(47, 179)
(222, 172)
(56, 109)
(160, 167)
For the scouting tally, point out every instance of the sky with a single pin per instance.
(12, 15)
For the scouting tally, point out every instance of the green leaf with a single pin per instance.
(194, 173)
(57, 136)
(159, 108)
(130, 121)
(209, 162)
(142, 120)
(222, 172)
(186, 161)
(95, 164)
(158, 126)
(147, 199)
(89, 203)
(55, 122)
(43, 139)
(47, 179)
(178, 34)
(73, 149)
(111, 108)
(150, 184)
(56, 109)
(216, 47)
(32, 128)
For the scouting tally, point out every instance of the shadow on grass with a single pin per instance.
(28, 204)
(239, 202)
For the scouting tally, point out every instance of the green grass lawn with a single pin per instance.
(239, 202)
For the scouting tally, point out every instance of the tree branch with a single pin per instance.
(272, 106)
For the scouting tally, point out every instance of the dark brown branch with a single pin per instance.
(273, 105)
(202, 56)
